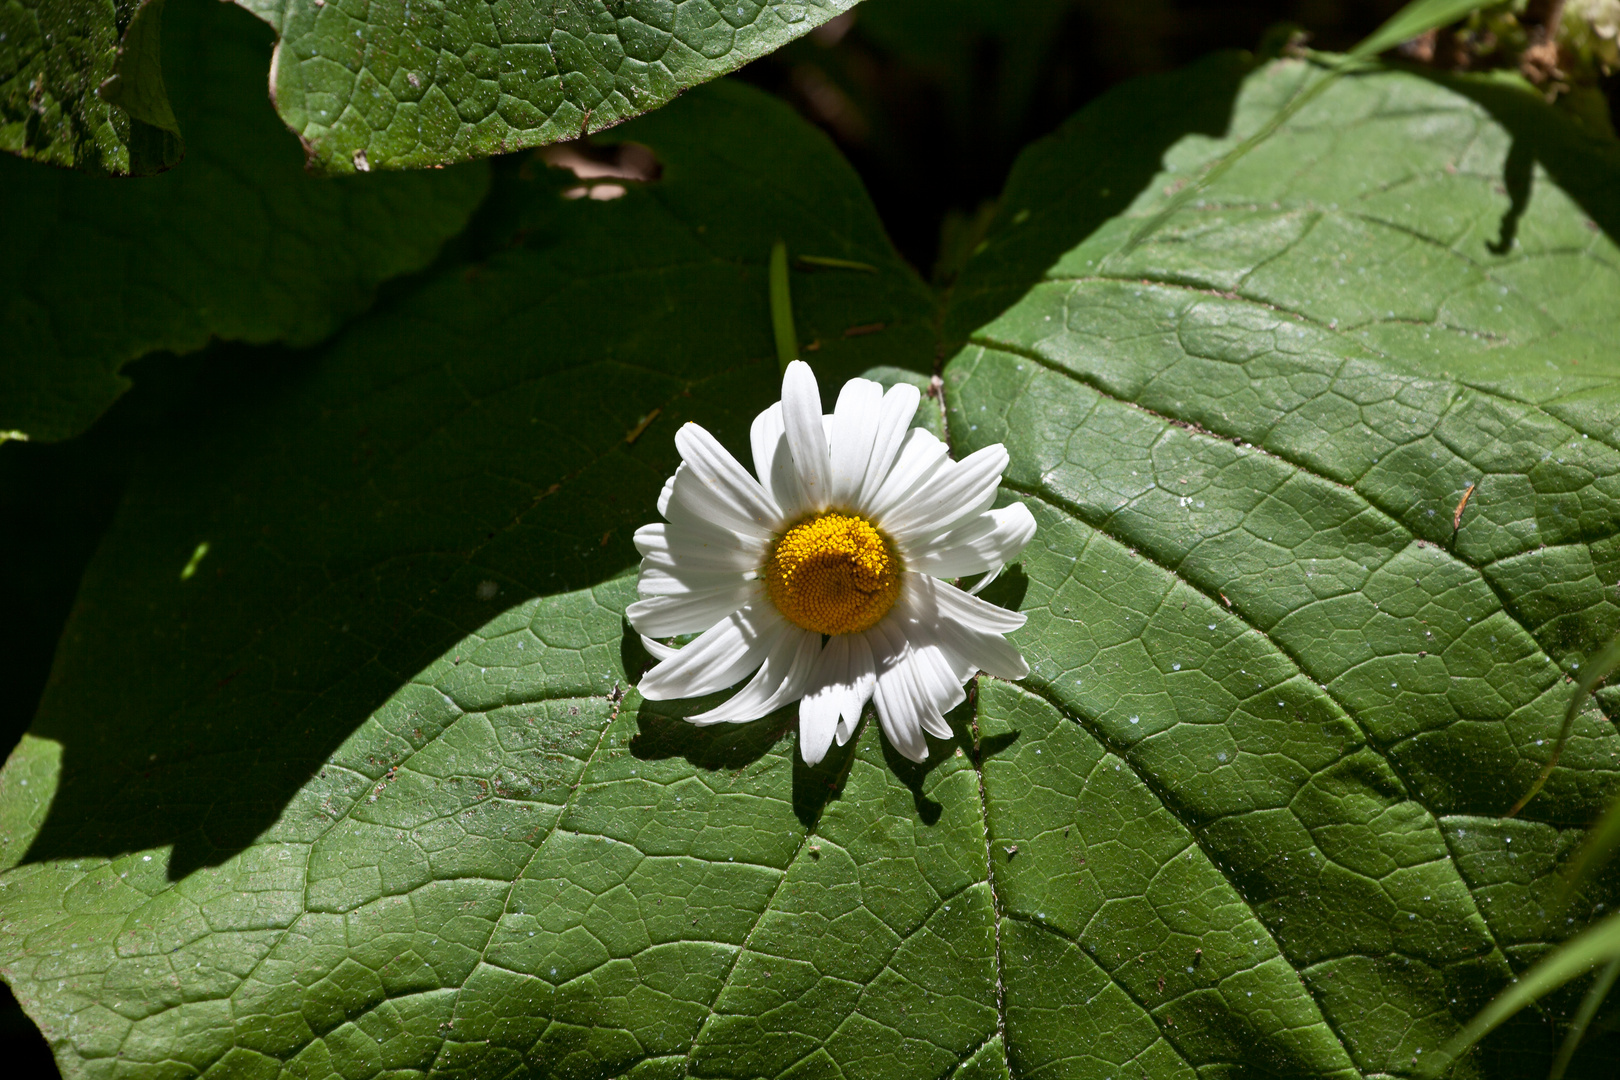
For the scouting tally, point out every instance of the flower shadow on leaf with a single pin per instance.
(663, 732)
(1008, 590)
(914, 774)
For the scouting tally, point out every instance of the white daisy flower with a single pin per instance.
(824, 576)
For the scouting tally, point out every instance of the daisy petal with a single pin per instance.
(807, 439)
(779, 680)
(921, 457)
(970, 611)
(982, 543)
(773, 461)
(978, 586)
(893, 420)
(938, 685)
(937, 675)
(666, 616)
(898, 716)
(723, 654)
(662, 581)
(849, 438)
(739, 493)
(862, 679)
(946, 496)
(689, 502)
(991, 653)
(695, 505)
(899, 703)
(657, 649)
(965, 648)
(987, 499)
(818, 712)
(681, 547)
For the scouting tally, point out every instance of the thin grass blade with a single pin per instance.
(1597, 669)
(1418, 17)
(787, 338)
(1583, 1018)
(1571, 960)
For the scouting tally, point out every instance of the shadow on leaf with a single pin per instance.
(1008, 590)
(1583, 166)
(430, 521)
(664, 732)
(1516, 174)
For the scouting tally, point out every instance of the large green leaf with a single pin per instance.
(237, 242)
(361, 791)
(1248, 438)
(81, 84)
(373, 84)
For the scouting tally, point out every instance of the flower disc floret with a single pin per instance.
(834, 574)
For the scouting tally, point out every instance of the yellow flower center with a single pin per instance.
(834, 574)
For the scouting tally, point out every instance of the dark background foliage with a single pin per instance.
(933, 122)
(931, 111)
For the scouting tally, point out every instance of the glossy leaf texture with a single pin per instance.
(81, 86)
(365, 793)
(238, 242)
(380, 84)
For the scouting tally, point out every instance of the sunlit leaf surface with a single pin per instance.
(382, 84)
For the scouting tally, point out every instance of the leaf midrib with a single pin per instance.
(511, 886)
(1195, 837)
(743, 946)
(1204, 288)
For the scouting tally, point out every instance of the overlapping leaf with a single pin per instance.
(237, 242)
(364, 792)
(377, 84)
(81, 85)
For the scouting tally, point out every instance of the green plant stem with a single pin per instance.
(1418, 17)
(1601, 840)
(1597, 669)
(830, 263)
(787, 339)
(1571, 960)
(1583, 1017)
